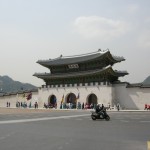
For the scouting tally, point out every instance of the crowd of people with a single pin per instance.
(21, 104)
(49, 105)
(79, 105)
(147, 107)
(24, 105)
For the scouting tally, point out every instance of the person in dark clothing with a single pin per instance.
(102, 107)
(118, 107)
(99, 109)
(83, 106)
(9, 104)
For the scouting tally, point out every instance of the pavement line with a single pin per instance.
(40, 119)
(145, 121)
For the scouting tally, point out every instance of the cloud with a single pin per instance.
(144, 39)
(100, 27)
(147, 20)
(133, 8)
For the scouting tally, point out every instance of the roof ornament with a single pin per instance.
(99, 50)
(61, 56)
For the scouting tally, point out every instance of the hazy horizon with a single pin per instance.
(42, 29)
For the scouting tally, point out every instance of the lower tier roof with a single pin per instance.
(103, 72)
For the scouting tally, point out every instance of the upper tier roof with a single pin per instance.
(79, 59)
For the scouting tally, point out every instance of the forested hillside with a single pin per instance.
(8, 85)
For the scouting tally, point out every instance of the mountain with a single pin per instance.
(8, 85)
(147, 80)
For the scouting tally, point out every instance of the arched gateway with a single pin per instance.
(92, 99)
(71, 99)
(52, 101)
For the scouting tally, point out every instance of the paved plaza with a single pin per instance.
(21, 110)
(65, 129)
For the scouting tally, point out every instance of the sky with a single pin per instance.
(32, 30)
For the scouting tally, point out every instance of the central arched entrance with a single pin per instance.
(92, 100)
(71, 99)
(52, 101)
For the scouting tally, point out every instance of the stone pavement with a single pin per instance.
(40, 110)
(22, 110)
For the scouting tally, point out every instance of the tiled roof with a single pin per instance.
(81, 73)
(77, 59)
(140, 85)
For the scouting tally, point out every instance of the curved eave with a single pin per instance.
(80, 59)
(120, 73)
(81, 74)
(115, 59)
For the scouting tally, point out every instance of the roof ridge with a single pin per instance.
(86, 54)
(74, 56)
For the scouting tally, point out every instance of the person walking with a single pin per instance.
(118, 107)
(9, 104)
(83, 106)
(35, 105)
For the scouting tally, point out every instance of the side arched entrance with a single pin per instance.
(52, 101)
(91, 100)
